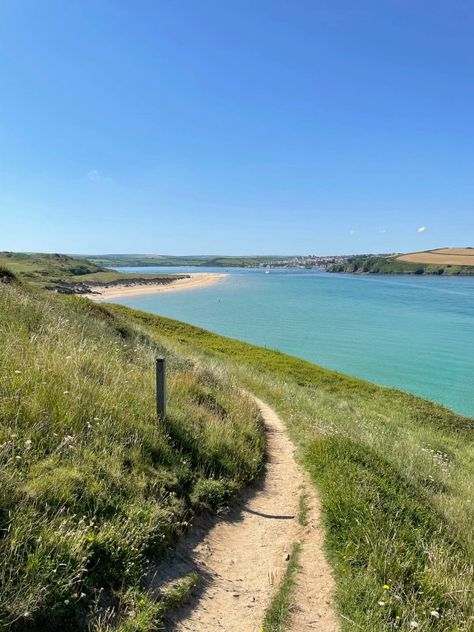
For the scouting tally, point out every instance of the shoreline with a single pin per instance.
(192, 281)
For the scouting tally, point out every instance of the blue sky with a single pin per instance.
(237, 127)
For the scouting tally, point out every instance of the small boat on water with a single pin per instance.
(267, 271)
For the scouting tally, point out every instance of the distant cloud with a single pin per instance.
(94, 175)
(421, 229)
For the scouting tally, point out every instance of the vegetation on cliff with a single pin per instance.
(70, 274)
(92, 486)
(393, 265)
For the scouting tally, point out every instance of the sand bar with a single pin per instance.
(192, 281)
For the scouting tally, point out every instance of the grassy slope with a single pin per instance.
(92, 487)
(392, 265)
(395, 474)
(55, 269)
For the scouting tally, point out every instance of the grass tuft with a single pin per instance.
(303, 510)
(279, 612)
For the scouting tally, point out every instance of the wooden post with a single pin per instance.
(161, 388)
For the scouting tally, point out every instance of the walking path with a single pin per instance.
(241, 557)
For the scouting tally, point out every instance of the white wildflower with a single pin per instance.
(435, 614)
(28, 443)
(413, 625)
(17, 372)
(381, 603)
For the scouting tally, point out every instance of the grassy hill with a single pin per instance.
(394, 471)
(93, 487)
(415, 263)
(65, 273)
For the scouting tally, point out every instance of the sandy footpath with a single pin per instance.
(194, 280)
(241, 557)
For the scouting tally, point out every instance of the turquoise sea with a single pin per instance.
(413, 333)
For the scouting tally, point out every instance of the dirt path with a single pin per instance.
(241, 557)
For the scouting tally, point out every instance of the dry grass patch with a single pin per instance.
(446, 256)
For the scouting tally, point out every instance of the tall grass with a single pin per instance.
(395, 475)
(92, 486)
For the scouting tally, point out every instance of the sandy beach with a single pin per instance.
(192, 281)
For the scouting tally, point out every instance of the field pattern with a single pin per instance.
(447, 256)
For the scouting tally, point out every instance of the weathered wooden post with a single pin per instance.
(161, 388)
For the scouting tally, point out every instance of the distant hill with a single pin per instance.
(442, 261)
(448, 256)
(123, 260)
(66, 273)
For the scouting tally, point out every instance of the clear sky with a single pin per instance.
(236, 126)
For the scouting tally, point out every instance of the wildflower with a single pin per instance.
(65, 392)
(18, 458)
(28, 443)
(17, 372)
(66, 601)
(386, 587)
(381, 603)
(413, 625)
(435, 614)
(96, 419)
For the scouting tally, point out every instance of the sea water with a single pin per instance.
(415, 333)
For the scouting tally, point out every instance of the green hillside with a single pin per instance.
(56, 271)
(395, 473)
(93, 488)
(392, 265)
